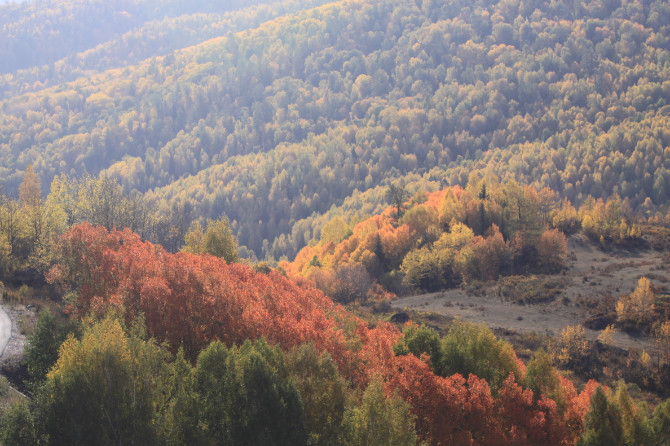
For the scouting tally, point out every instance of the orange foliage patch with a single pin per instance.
(189, 300)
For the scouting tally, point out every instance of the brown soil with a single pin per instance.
(593, 277)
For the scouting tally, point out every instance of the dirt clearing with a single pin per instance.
(592, 275)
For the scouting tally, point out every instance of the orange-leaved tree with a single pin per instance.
(190, 300)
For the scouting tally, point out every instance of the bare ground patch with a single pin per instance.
(593, 277)
(12, 360)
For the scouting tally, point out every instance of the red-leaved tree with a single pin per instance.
(190, 300)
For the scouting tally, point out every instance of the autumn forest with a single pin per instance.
(209, 211)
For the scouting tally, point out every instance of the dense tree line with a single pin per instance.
(30, 224)
(179, 348)
(157, 35)
(278, 124)
(36, 34)
(452, 237)
(111, 384)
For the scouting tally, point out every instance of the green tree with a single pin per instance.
(473, 348)
(17, 426)
(324, 393)
(380, 421)
(335, 230)
(102, 389)
(419, 339)
(215, 388)
(179, 418)
(634, 417)
(661, 423)
(43, 344)
(603, 425)
(245, 397)
(428, 269)
(270, 409)
(218, 240)
(543, 379)
(194, 239)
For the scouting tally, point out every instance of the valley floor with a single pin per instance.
(592, 274)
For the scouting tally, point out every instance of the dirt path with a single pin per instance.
(5, 331)
(592, 274)
(12, 339)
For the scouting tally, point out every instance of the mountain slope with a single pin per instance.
(277, 124)
(37, 33)
(156, 36)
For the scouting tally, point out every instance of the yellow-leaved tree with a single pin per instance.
(217, 240)
(637, 309)
(103, 388)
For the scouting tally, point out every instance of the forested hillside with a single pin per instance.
(40, 33)
(152, 152)
(277, 124)
(221, 354)
(159, 30)
(165, 348)
(453, 237)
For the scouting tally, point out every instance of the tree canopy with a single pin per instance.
(275, 125)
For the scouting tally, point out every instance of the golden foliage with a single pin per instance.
(638, 307)
(571, 346)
